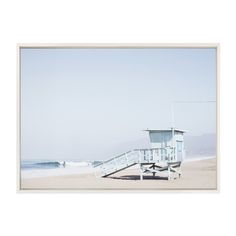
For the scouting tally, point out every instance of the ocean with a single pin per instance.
(52, 164)
(43, 168)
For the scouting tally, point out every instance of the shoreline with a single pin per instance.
(39, 173)
(199, 158)
(199, 174)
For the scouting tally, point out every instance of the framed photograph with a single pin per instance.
(117, 117)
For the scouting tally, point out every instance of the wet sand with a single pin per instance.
(196, 175)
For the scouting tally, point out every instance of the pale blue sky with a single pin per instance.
(83, 103)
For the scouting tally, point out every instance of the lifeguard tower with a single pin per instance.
(168, 139)
(165, 155)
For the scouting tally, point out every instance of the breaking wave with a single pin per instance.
(53, 164)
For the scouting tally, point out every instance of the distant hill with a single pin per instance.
(200, 145)
(194, 145)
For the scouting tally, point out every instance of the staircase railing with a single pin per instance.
(127, 159)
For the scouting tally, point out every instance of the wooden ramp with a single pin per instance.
(154, 161)
(117, 163)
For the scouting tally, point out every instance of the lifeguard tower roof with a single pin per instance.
(170, 129)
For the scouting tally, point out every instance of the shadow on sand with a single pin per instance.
(137, 177)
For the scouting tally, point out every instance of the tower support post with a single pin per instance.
(141, 171)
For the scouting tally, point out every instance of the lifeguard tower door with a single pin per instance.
(179, 150)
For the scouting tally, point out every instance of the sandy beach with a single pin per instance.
(195, 175)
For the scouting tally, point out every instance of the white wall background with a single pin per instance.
(116, 22)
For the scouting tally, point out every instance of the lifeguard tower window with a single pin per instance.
(161, 139)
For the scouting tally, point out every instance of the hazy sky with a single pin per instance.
(83, 103)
